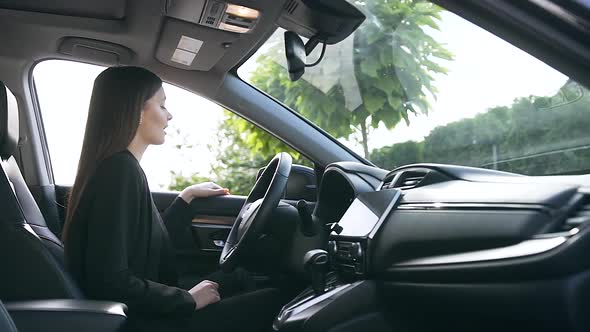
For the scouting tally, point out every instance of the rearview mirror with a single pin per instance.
(295, 52)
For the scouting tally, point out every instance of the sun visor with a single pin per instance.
(96, 51)
(104, 9)
(192, 47)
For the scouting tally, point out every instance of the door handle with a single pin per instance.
(219, 243)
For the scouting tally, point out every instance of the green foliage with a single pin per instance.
(398, 154)
(535, 136)
(178, 181)
(237, 134)
(242, 150)
(393, 61)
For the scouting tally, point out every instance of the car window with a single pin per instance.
(203, 140)
(416, 83)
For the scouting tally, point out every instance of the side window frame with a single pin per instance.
(43, 131)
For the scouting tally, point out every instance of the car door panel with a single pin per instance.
(197, 251)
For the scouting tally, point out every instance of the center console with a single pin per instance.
(341, 297)
(343, 307)
(351, 238)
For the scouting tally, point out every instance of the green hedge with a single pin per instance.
(534, 136)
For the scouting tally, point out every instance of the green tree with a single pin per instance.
(393, 60)
(242, 149)
(396, 155)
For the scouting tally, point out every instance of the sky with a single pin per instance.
(485, 73)
(64, 89)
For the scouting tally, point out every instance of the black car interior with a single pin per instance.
(6, 323)
(22, 280)
(424, 247)
(38, 291)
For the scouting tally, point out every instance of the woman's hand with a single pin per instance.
(205, 293)
(204, 189)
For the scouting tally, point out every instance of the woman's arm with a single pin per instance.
(178, 216)
(114, 218)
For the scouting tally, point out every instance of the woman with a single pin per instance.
(116, 245)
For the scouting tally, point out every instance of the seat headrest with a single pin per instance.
(9, 131)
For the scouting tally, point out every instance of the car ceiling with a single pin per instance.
(33, 31)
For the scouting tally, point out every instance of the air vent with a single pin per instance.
(404, 179)
(387, 184)
(409, 179)
(291, 6)
(580, 214)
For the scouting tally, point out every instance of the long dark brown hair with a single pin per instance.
(118, 97)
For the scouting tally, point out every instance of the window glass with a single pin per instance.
(416, 83)
(202, 142)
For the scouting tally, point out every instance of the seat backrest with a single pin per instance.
(9, 130)
(31, 211)
(9, 137)
(6, 323)
(29, 270)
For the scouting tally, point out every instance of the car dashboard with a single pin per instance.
(452, 247)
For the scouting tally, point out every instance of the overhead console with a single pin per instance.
(196, 34)
(222, 15)
(184, 45)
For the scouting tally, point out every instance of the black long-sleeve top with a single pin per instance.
(118, 248)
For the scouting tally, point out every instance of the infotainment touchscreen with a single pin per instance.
(366, 211)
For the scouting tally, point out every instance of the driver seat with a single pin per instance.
(29, 270)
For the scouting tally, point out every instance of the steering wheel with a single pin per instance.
(256, 211)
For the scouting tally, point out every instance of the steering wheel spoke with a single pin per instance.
(247, 218)
(255, 214)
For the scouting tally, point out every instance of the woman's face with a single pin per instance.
(154, 119)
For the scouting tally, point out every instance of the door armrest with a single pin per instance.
(67, 315)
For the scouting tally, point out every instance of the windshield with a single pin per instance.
(416, 83)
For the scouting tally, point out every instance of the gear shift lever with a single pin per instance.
(316, 263)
